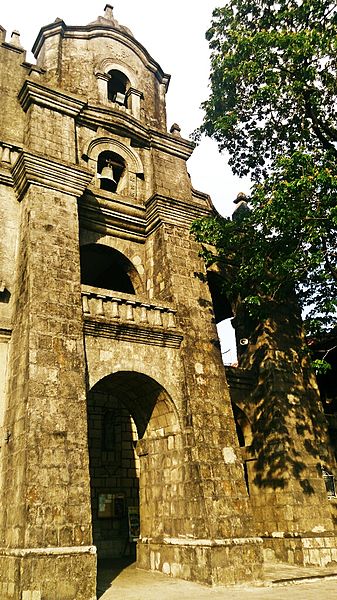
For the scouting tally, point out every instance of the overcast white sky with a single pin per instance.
(174, 34)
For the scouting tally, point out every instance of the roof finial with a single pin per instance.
(108, 12)
(15, 39)
(2, 34)
(175, 129)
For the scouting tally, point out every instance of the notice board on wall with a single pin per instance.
(111, 506)
(134, 523)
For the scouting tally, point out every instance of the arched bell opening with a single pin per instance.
(222, 315)
(118, 86)
(105, 267)
(245, 438)
(111, 170)
(221, 306)
(243, 426)
(130, 419)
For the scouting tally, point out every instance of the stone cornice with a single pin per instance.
(124, 124)
(203, 198)
(5, 333)
(38, 170)
(114, 215)
(13, 48)
(6, 178)
(161, 209)
(241, 378)
(171, 144)
(56, 28)
(120, 217)
(116, 121)
(8, 155)
(33, 92)
(97, 29)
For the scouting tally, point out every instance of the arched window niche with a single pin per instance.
(118, 86)
(123, 169)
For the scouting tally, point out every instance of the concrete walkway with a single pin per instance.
(125, 582)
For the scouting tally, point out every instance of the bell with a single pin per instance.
(120, 98)
(107, 173)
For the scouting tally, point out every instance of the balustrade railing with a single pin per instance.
(125, 308)
(8, 154)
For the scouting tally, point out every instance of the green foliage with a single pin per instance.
(273, 108)
(321, 367)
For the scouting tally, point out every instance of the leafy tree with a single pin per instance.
(273, 108)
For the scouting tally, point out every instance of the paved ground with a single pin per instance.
(125, 582)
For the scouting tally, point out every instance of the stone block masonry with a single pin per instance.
(113, 400)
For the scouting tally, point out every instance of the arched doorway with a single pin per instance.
(132, 426)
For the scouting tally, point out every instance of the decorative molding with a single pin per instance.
(13, 48)
(103, 76)
(131, 332)
(171, 144)
(169, 210)
(109, 143)
(5, 334)
(117, 121)
(110, 64)
(241, 379)
(202, 198)
(52, 551)
(181, 541)
(126, 220)
(6, 178)
(98, 29)
(113, 215)
(8, 154)
(56, 28)
(38, 170)
(33, 92)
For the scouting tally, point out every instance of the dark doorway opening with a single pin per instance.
(130, 418)
(105, 267)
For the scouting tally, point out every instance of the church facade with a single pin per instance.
(116, 419)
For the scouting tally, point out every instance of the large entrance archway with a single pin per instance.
(132, 429)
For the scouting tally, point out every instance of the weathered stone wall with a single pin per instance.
(84, 59)
(12, 75)
(59, 139)
(289, 442)
(9, 220)
(170, 176)
(208, 404)
(45, 461)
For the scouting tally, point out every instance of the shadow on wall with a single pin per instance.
(289, 428)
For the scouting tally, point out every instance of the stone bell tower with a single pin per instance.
(115, 399)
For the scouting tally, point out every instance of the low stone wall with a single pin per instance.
(48, 573)
(211, 562)
(307, 550)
